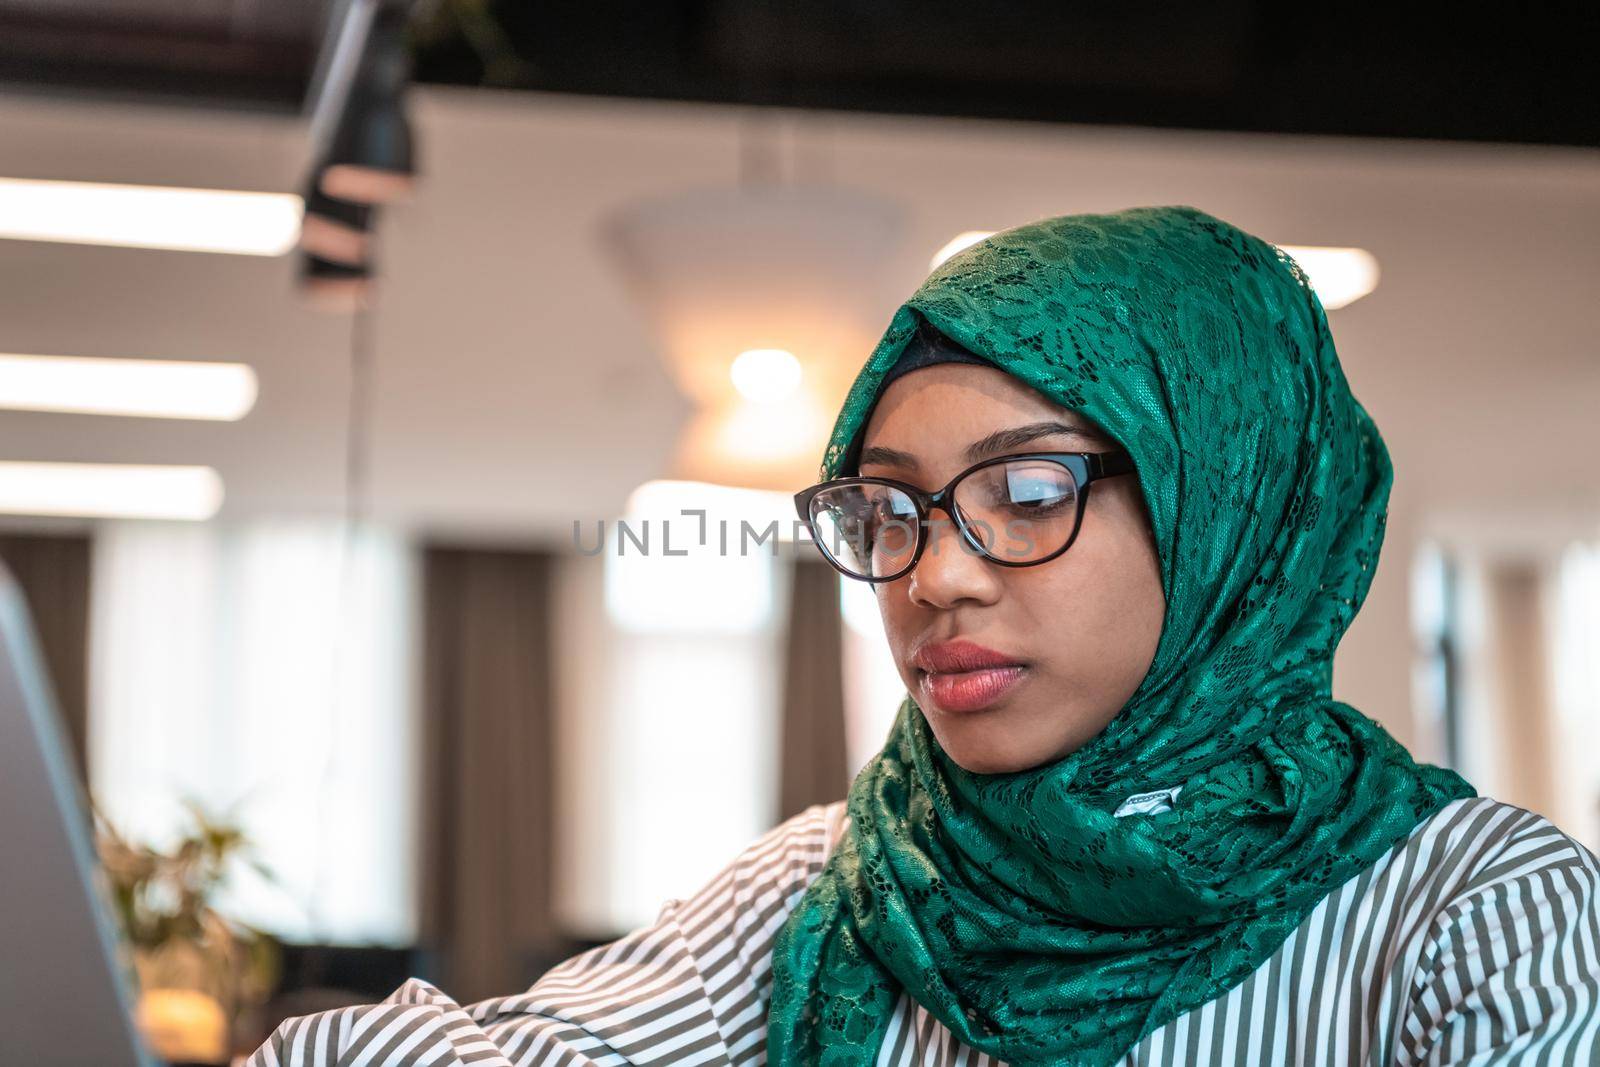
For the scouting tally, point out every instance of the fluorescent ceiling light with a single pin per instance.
(155, 388)
(109, 490)
(1339, 275)
(150, 216)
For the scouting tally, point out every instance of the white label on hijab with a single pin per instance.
(1151, 803)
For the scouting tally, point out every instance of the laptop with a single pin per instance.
(66, 986)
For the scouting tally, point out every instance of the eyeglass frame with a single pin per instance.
(1086, 468)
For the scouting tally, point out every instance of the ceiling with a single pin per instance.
(516, 388)
(1475, 72)
(1479, 74)
(256, 54)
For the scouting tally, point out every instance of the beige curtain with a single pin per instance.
(814, 762)
(1521, 744)
(53, 572)
(487, 850)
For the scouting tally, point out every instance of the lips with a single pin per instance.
(962, 676)
(950, 657)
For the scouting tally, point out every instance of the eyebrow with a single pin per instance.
(997, 443)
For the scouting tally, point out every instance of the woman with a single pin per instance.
(1118, 507)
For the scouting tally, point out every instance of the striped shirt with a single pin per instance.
(1476, 940)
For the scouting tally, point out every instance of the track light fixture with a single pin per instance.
(369, 159)
(336, 230)
(342, 287)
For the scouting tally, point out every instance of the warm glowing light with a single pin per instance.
(723, 270)
(1339, 275)
(154, 388)
(149, 216)
(763, 375)
(770, 433)
(959, 242)
(109, 490)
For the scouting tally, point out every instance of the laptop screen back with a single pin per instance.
(63, 998)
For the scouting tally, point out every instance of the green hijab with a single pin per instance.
(1016, 908)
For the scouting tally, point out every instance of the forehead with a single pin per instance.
(957, 402)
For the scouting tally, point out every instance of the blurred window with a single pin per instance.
(873, 690)
(692, 698)
(243, 666)
(1577, 692)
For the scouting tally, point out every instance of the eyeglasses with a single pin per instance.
(1017, 511)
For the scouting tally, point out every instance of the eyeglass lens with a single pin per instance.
(1017, 511)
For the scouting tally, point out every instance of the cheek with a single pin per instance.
(1104, 600)
(1091, 618)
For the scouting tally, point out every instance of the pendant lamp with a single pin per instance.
(764, 300)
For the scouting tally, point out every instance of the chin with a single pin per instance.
(982, 756)
(970, 740)
(999, 762)
(990, 764)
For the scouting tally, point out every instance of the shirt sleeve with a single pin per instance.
(1511, 972)
(691, 988)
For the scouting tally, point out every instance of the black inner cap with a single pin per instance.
(926, 347)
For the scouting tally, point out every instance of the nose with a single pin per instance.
(950, 570)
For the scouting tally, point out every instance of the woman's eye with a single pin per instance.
(1038, 505)
(1034, 494)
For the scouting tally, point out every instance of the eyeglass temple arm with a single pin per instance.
(1105, 464)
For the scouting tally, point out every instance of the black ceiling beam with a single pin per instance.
(1488, 73)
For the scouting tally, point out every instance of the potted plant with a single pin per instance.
(197, 969)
